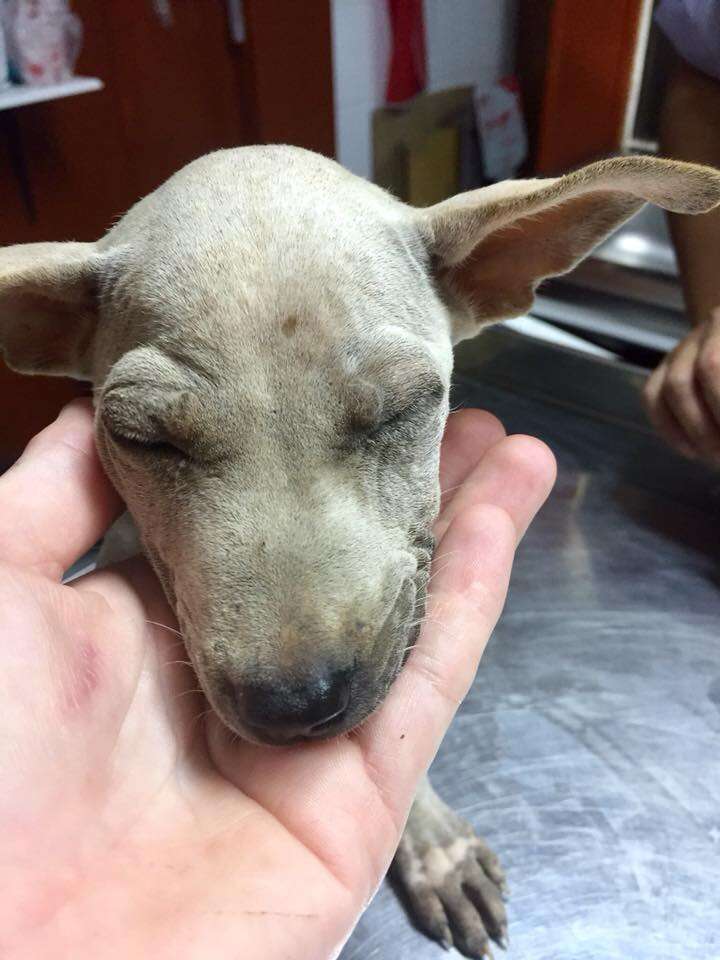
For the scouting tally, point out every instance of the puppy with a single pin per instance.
(270, 340)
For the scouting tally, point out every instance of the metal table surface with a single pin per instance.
(587, 750)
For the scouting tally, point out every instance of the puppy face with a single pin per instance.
(276, 438)
(270, 340)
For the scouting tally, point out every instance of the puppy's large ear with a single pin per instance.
(492, 247)
(48, 307)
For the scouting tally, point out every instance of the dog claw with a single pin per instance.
(451, 880)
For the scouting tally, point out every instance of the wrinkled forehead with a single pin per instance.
(301, 356)
(305, 271)
(262, 233)
(293, 309)
(284, 277)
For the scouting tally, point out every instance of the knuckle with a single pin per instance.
(678, 385)
(649, 394)
(709, 364)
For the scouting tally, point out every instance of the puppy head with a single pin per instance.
(270, 340)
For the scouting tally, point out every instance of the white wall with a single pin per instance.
(468, 42)
(361, 52)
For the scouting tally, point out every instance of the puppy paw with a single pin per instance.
(452, 881)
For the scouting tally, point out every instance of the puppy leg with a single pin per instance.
(452, 881)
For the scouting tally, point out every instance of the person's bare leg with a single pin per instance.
(690, 130)
(682, 396)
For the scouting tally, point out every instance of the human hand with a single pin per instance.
(682, 396)
(134, 824)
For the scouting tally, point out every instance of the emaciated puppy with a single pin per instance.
(270, 340)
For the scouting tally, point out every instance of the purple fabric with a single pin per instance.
(693, 28)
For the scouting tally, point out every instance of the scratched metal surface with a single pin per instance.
(588, 751)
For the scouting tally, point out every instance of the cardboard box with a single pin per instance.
(426, 150)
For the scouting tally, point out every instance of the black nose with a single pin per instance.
(282, 712)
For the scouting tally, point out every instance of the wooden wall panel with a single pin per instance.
(73, 151)
(290, 47)
(179, 89)
(171, 94)
(588, 53)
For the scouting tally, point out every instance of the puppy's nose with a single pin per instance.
(281, 713)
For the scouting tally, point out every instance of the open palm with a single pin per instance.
(134, 824)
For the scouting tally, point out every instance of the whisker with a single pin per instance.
(435, 573)
(172, 644)
(446, 490)
(195, 720)
(426, 618)
(431, 621)
(156, 623)
(185, 693)
(165, 626)
(443, 556)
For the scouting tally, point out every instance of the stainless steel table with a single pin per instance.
(588, 751)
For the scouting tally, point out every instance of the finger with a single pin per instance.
(469, 434)
(56, 501)
(662, 417)
(682, 393)
(467, 594)
(708, 368)
(514, 473)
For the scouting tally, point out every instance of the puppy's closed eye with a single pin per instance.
(146, 445)
(140, 426)
(417, 402)
(405, 416)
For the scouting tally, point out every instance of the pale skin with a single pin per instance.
(134, 825)
(683, 394)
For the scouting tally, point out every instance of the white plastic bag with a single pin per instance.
(501, 127)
